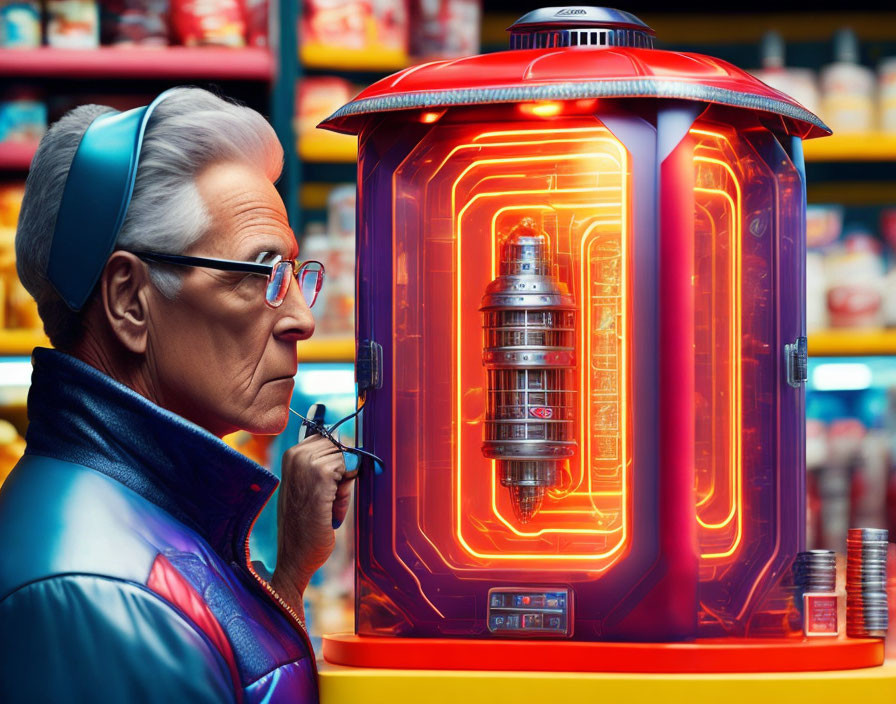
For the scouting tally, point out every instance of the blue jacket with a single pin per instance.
(124, 571)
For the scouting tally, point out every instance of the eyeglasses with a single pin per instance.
(309, 274)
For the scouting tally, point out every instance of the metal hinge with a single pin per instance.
(370, 365)
(796, 355)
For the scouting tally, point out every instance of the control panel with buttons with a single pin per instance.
(525, 612)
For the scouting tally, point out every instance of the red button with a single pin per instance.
(526, 600)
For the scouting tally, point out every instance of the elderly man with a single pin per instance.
(162, 262)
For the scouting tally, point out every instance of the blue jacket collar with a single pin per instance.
(78, 414)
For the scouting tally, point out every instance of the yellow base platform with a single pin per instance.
(338, 685)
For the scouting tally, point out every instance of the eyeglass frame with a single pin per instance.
(235, 266)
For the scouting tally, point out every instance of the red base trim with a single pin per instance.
(730, 655)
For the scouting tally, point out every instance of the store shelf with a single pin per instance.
(852, 147)
(321, 56)
(329, 147)
(21, 342)
(175, 62)
(857, 193)
(16, 156)
(851, 343)
(327, 349)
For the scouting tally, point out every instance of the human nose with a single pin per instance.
(295, 320)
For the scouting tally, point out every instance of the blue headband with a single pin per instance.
(95, 200)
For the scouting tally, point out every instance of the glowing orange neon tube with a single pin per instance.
(734, 313)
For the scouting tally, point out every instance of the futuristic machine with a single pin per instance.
(582, 347)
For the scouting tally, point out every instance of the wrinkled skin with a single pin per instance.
(217, 355)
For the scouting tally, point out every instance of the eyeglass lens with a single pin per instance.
(310, 278)
(278, 283)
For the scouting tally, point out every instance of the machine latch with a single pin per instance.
(797, 358)
(370, 365)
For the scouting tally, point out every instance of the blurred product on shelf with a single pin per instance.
(355, 25)
(209, 22)
(824, 223)
(816, 301)
(868, 491)
(20, 25)
(851, 278)
(256, 23)
(854, 274)
(341, 212)
(889, 298)
(886, 92)
(445, 29)
(135, 22)
(341, 275)
(318, 97)
(12, 447)
(73, 24)
(17, 308)
(844, 443)
(85, 24)
(799, 83)
(851, 455)
(847, 88)
(888, 226)
(334, 246)
(23, 115)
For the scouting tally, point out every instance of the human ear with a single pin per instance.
(124, 290)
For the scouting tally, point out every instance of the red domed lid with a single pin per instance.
(585, 57)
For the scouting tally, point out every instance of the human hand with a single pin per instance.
(314, 498)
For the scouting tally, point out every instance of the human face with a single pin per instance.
(217, 355)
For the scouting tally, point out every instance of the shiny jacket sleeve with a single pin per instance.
(84, 638)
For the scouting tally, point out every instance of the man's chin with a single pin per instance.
(271, 424)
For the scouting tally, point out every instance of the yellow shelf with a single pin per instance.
(341, 58)
(327, 349)
(328, 147)
(874, 146)
(21, 342)
(852, 343)
(381, 686)
(852, 192)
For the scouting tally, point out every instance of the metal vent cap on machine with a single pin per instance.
(550, 27)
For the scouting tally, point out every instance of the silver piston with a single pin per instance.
(529, 354)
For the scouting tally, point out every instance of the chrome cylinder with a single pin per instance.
(528, 319)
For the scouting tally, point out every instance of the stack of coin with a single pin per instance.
(814, 571)
(866, 583)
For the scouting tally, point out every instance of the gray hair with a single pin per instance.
(189, 131)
